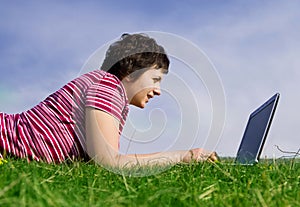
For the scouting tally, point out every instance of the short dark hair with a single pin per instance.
(134, 52)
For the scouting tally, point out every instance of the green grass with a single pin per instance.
(270, 183)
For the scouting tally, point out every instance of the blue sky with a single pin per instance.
(254, 46)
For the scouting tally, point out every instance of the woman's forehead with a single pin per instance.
(155, 72)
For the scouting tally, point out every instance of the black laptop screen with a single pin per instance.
(255, 133)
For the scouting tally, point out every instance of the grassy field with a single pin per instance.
(270, 183)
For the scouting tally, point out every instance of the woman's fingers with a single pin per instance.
(213, 157)
(199, 154)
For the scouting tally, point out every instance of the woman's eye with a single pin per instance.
(156, 80)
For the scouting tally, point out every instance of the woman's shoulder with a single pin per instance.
(104, 80)
(101, 75)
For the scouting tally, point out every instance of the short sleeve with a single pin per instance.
(107, 95)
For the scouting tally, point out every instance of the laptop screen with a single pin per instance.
(256, 132)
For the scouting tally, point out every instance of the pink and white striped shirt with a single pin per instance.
(54, 130)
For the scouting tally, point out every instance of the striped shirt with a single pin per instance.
(54, 130)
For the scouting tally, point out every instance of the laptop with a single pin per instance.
(256, 132)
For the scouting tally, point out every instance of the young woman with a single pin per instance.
(84, 119)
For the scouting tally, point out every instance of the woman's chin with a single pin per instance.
(142, 105)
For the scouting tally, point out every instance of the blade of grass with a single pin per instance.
(210, 190)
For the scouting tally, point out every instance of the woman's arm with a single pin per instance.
(102, 140)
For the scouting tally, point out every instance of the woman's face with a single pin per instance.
(142, 89)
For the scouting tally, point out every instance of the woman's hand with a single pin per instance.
(199, 155)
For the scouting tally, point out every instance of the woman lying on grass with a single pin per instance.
(84, 119)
